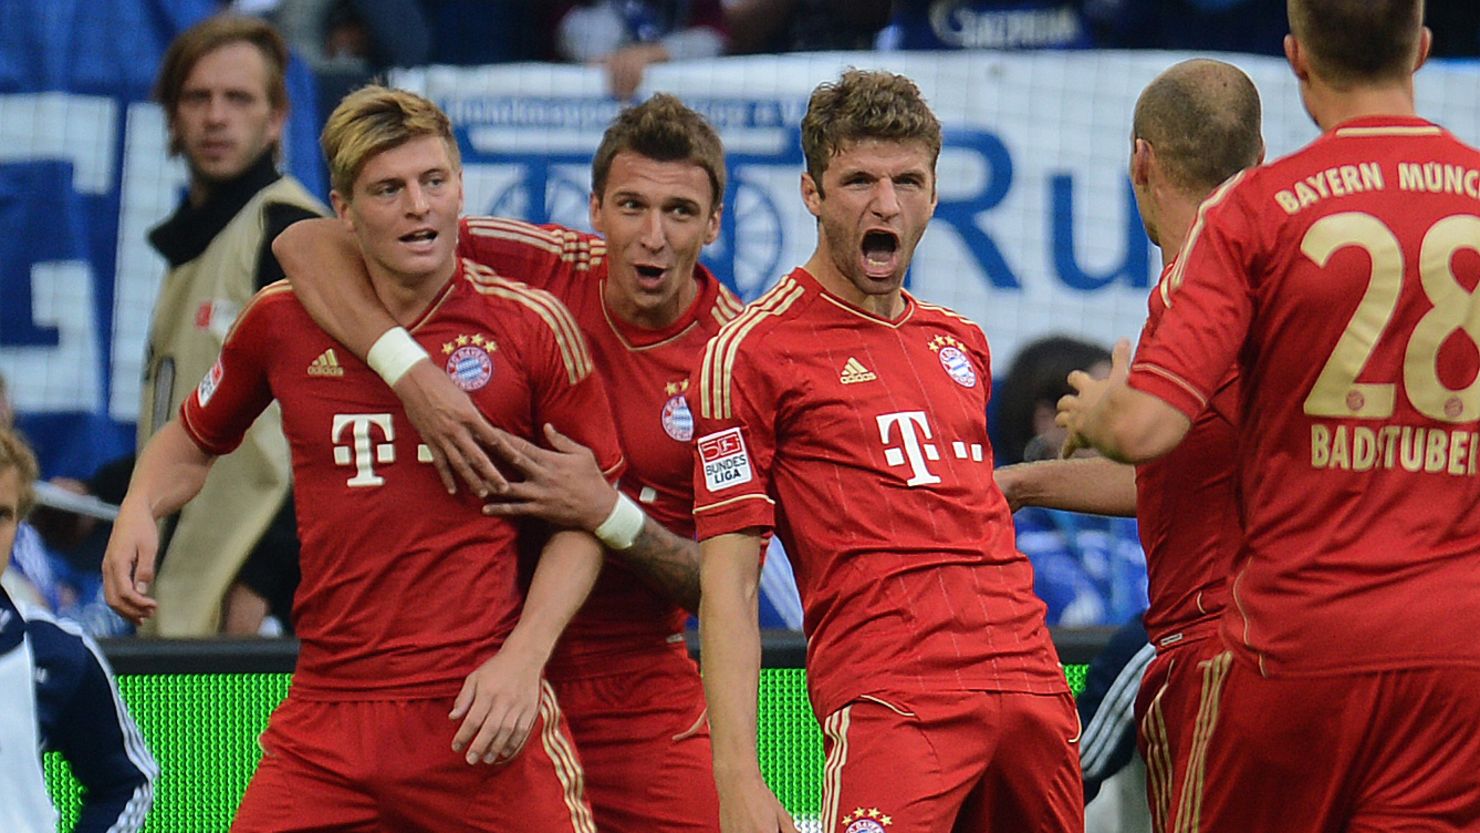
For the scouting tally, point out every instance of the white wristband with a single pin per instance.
(621, 528)
(393, 354)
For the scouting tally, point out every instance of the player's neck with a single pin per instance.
(1176, 216)
(659, 316)
(886, 305)
(406, 297)
(1331, 107)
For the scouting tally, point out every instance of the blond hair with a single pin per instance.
(15, 454)
(862, 105)
(372, 120)
(665, 130)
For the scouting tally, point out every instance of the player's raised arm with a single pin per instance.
(500, 700)
(564, 485)
(325, 267)
(170, 471)
(1095, 484)
(729, 635)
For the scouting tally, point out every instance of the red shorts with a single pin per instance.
(1166, 717)
(1383, 751)
(977, 762)
(381, 766)
(644, 743)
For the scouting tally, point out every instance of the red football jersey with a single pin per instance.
(405, 589)
(1187, 511)
(863, 443)
(1342, 282)
(646, 374)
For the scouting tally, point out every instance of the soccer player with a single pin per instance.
(409, 607)
(622, 672)
(1340, 282)
(1195, 125)
(57, 692)
(850, 417)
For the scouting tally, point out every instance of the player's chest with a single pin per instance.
(913, 406)
(338, 400)
(648, 394)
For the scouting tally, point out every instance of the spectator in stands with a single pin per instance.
(804, 25)
(1088, 569)
(349, 42)
(473, 32)
(626, 36)
(1256, 26)
(1028, 397)
(987, 24)
(57, 692)
(222, 89)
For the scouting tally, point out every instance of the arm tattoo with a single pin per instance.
(667, 562)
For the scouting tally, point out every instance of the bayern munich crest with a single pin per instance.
(470, 361)
(678, 421)
(865, 821)
(954, 359)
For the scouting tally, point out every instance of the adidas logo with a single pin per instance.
(327, 364)
(854, 372)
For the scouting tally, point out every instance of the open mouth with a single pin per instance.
(648, 272)
(880, 252)
(419, 236)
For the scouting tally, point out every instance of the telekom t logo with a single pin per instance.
(361, 441)
(913, 428)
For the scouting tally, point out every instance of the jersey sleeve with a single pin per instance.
(96, 735)
(736, 442)
(1186, 360)
(568, 393)
(235, 390)
(541, 256)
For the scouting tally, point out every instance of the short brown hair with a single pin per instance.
(15, 454)
(372, 120)
(865, 104)
(1202, 117)
(186, 50)
(1356, 41)
(665, 130)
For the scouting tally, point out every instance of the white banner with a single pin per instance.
(1036, 232)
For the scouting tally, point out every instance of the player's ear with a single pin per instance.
(811, 194)
(1141, 153)
(595, 209)
(1425, 43)
(341, 210)
(1296, 56)
(711, 232)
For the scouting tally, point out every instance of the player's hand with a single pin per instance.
(1074, 410)
(128, 563)
(452, 428)
(498, 705)
(751, 807)
(562, 484)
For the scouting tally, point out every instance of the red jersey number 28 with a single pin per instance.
(1337, 393)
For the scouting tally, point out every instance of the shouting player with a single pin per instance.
(1341, 283)
(850, 417)
(1195, 125)
(409, 607)
(622, 672)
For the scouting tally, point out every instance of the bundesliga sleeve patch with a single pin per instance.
(726, 462)
(209, 384)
